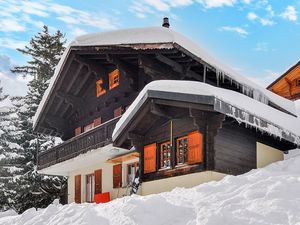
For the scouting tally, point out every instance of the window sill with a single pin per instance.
(163, 169)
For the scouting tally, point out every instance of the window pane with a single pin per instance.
(165, 150)
(182, 150)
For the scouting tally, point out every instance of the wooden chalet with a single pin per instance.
(288, 84)
(168, 137)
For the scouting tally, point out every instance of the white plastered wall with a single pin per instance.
(187, 181)
(266, 155)
(107, 180)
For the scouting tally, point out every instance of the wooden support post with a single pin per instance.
(204, 73)
(137, 141)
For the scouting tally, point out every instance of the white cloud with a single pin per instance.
(12, 84)
(252, 16)
(78, 32)
(265, 79)
(11, 25)
(217, 3)
(241, 31)
(11, 43)
(266, 22)
(263, 47)
(290, 13)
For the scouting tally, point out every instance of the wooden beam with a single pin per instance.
(156, 69)
(184, 70)
(156, 110)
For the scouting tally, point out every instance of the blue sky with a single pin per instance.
(258, 38)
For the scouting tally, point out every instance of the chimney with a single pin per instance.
(166, 22)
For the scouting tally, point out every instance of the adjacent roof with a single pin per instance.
(167, 39)
(284, 74)
(238, 106)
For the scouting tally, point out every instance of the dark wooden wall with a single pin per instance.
(235, 149)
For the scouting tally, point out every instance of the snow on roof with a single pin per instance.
(297, 106)
(168, 36)
(278, 123)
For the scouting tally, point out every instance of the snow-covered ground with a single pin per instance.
(264, 196)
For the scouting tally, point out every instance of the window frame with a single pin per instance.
(168, 143)
(297, 82)
(91, 197)
(177, 151)
(136, 167)
(114, 79)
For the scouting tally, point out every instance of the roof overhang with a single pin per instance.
(241, 108)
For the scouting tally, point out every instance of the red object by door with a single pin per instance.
(102, 198)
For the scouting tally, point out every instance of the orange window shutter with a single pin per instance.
(195, 145)
(98, 181)
(99, 90)
(114, 79)
(150, 158)
(78, 189)
(97, 121)
(117, 176)
(77, 131)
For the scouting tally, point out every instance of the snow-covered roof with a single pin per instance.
(297, 106)
(153, 35)
(238, 106)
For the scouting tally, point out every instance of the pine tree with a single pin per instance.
(33, 189)
(10, 159)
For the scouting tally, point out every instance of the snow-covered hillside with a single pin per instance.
(264, 196)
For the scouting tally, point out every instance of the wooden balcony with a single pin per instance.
(92, 139)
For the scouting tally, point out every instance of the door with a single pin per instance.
(98, 181)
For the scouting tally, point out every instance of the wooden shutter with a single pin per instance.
(77, 131)
(150, 158)
(78, 189)
(194, 147)
(118, 112)
(117, 176)
(99, 90)
(114, 77)
(98, 181)
(97, 121)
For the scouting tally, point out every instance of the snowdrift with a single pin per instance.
(264, 196)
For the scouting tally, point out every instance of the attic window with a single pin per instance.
(114, 79)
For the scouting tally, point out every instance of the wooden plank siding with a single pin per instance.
(288, 86)
(235, 150)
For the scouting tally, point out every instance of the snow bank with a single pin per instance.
(265, 196)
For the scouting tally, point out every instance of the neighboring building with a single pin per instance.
(202, 122)
(288, 84)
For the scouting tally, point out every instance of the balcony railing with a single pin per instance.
(92, 139)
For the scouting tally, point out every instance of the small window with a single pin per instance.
(88, 127)
(298, 82)
(182, 150)
(132, 169)
(90, 187)
(165, 155)
(99, 90)
(114, 79)
(118, 112)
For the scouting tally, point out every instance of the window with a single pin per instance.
(165, 155)
(132, 169)
(118, 112)
(99, 90)
(114, 79)
(88, 127)
(117, 176)
(182, 150)
(77, 131)
(90, 187)
(298, 82)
